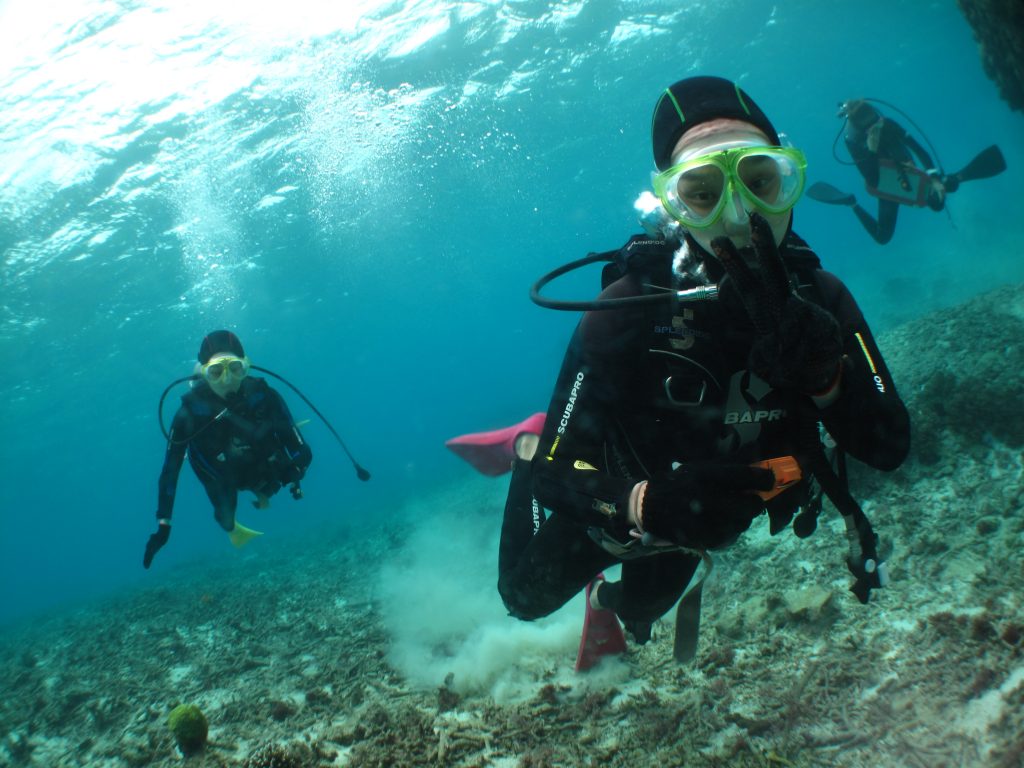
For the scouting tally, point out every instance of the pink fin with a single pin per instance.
(492, 453)
(602, 634)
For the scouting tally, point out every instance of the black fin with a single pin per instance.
(988, 163)
(826, 193)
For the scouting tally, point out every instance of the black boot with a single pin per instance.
(640, 630)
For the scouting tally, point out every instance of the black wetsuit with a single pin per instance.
(644, 388)
(248, 441)
(900, 147)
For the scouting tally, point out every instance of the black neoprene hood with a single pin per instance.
(219, 341)
(695, 100)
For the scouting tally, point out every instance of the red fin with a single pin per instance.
(602, 634)
(492, 453)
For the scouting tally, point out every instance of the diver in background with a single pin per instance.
(896, 169)
(238, 434)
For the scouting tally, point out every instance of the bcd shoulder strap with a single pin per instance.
(641, 252)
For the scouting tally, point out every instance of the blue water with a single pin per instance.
(364, 192)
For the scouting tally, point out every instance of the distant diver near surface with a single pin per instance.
(238, 435)
(896, 167)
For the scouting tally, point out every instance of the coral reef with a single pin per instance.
(964, 393)
(999, 29)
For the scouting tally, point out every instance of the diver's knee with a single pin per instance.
(519, 604)
(225, 518)
(518, 612)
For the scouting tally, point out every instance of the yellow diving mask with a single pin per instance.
(696, 191)
(224, 368)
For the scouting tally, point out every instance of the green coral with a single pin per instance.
(189, 726)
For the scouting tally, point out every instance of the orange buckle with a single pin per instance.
(787, 473)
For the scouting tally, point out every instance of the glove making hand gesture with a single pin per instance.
(703, 505)
(797, 344)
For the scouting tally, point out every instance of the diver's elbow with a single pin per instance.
(891, 449)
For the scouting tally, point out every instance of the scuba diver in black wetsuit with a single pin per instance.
(238, 435)
(692, 394)
(896, 169)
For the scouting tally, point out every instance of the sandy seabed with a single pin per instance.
(308, 654)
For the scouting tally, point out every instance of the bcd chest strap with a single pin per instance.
(241, 410)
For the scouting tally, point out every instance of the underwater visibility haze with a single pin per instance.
(364, 192)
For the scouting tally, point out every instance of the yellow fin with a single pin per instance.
(240, 535)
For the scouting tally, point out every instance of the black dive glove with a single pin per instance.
(869, 573)
(797, 344)
(156, 541)
(704, 505)
(869, 570)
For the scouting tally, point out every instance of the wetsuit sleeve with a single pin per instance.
(167, 485)
(865, 160)
(288, 433)
(569, 472)
(923, 157)
(868, 420)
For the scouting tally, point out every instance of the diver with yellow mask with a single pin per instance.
(720, 375)
(238, 435)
